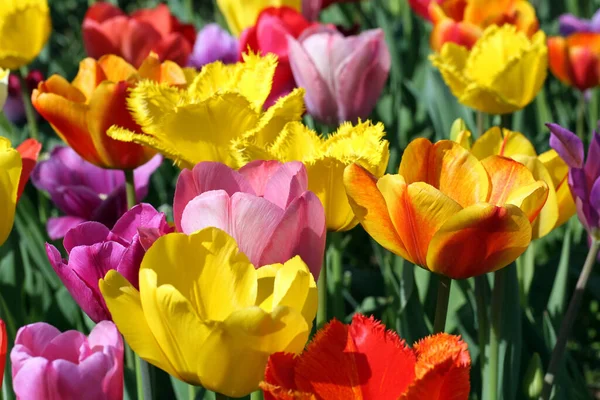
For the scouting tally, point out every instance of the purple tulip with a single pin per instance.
(343, 76)
(14, 109)
(584, 175)
(265, 207)
(569, 24)
(213, 43)
(93, 250)
(85, 192)
(50, 365)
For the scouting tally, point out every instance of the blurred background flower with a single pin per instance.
(213, 43)
(575, 59)
(14, 108)
(569, 24)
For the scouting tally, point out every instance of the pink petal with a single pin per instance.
(104, 334)
(258, 173)
(85, 234)
(142, 215)
(83, 380)
(65, 347)
(287, 184)
(32, 380)
(209, 209)
(58, 227)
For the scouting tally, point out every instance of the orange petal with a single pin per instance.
(447, 166)
(370, 209)
(558, 58)
(29, 150)
(108, 107)
(479, 239)
(115, 68)
(89, 77)
(584, 67)
(443, 369)
(417, 211)
(506, 176)
(447, 30)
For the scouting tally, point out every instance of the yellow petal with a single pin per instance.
(241, 17)
(506, 175)
(296, 142)
(10, 173)
(294, 286)
(451, 62)
(502, 142)
(125, 306)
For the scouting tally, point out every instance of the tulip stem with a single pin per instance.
(481, 296)
(497, 299)
(569, 319)
(322, 295)
(191, 392)
(337, 274)
(581, 116)
(189, 10)
(441, 309)
(29, 112)
(130, 188)
(142, 378)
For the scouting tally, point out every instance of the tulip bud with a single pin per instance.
(534, 378)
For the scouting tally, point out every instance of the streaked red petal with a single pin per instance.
(29, 150)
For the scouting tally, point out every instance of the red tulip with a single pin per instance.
(269, 35)
(3, 349)
(108, 30)
(365, 361)
(29, 150)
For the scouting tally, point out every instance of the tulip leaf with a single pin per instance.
(558, 296)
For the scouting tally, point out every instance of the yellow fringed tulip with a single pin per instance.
(24, 30)
(501, 74)
(325, 160)
(547, 167)
(201, 123)
(242, 15)
(10, 173)
(206, 316)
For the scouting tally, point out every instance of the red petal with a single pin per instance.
(279, 375)
(102, 11)
(3, 348)
(29, 150)
(159, 17)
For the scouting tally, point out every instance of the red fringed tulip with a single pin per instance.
(365, 361)
(108, 30)
(575, 60)
(3, 349)
(265, 207)
(269, 36)
(343, 76)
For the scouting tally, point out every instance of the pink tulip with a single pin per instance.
(265, 207)
(343, 76)
(50, 365)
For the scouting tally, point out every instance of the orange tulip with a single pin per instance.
(448, 212)
(82, 111)
(575, 60)
(463, 21)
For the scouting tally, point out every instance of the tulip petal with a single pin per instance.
(502, 142)
(294, 285)
(506, 176)
(448, 167)
(370, 208)
(258, 173)
(558, 59)
(58, 227)
(29, 151)
(10, 172)
(211, 208)
(567, 145)
(125, 305)
(417, 211)
(279, 383)
(502, 234)
(86, 234)
(32, 381)
(287, 184)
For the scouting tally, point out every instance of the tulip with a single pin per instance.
(240, 17)
(584, 174)
(421, 7)
(442, 201)
(94, 250)
(108, 30)
(575, 60)
(227, 99)
(275, 23)
(569, 24)
(548, 167)
(343, 76)
(85, 192)
(213, 43)
(265, 207)
(25, 27)
(15, 167)
(206, 316)
(325, 160)
(501, 74)
(365, 361)
(4, 79)
(82, 112)
(48, 364)
(14, 108)
(3, 349)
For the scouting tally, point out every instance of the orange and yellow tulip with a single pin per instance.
(575, 59)
(463, 21)
(82, 111)
(443, 200)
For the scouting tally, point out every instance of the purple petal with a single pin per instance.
(213, 43)
(85, 234)
(58, 227)
(142, 215)
(568, 24)
(142, 174)
(112, 208)
(592, 163)
(91, 263)
(79, 201)
(595, 23)
(568, 146)
(595, 196)
(578, 183)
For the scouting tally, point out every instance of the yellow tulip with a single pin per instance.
(325, 160)
(241, 15)
(4, 74)
(206, 316)
(10, 173)
(501, 74)
(547, 167)
(25, 27)
(223, 104)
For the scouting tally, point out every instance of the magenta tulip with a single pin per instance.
(94, 250)
(50, 365)
(265, 207)
(343, 76)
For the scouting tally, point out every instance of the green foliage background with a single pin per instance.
(415, 103)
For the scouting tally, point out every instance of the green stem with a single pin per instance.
(130, 188)
(219, 396)
(322, 295)
(189, 9)
(29, 111)
(142, 378)
(258, 395)
(569, 319)
(129, 357)
(497, 299)
(191, 392)
(593, 111)
(337, 274)
(481, 296)
(441, 309)
(581, 116)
